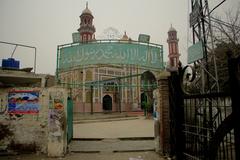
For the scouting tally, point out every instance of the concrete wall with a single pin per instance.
(37, 132)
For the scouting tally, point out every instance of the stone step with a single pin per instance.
(112, 145)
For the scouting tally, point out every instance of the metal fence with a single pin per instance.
(205, 126)
(203, 114)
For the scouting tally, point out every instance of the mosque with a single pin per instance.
(113, 75)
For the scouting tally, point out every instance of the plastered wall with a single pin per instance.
(34, 120)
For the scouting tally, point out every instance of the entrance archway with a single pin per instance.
(107, 103)
(149, 84)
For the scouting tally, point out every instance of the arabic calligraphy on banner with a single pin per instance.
(111, 53)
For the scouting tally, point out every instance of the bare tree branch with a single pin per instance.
(228, 32)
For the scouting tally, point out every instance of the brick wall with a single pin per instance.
(164, 115)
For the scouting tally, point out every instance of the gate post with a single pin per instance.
(177, 114)
(164, 114)
(234, 71)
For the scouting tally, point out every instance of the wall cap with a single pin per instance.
(163, 75)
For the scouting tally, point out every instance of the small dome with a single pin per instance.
(125, 37)
(171, 29)
(86, 10)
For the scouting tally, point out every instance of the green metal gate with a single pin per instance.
(69, 120)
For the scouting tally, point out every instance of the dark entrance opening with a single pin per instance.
(107, 103)
(149, 82)
(143, 100)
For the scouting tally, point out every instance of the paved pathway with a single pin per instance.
(139, 127)
(112, 147)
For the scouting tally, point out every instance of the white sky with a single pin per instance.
(48, 23)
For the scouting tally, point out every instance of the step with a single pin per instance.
(112, 145)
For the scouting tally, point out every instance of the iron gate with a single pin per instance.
(204, 126)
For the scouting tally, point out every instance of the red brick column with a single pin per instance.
(164, 115)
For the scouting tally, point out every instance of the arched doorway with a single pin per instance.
(148, 82)
(107, 103)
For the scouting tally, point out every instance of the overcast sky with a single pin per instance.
(48, 23)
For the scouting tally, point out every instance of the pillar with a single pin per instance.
(163, 109)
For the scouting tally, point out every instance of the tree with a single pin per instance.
(226, 37)
(227, 32)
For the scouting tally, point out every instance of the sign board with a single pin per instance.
(194, 16)
(111, 53)
(195, 52)
(23, 102)
(76, 37)
(144, 38)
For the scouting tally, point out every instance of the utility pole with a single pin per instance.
(200, 22)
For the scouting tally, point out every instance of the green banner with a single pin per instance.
(195, 52)
(111, 53)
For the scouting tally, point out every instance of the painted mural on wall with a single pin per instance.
(23, 102)
(56, 115)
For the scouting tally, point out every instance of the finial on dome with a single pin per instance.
(125, 37)
(172, 29)
(87, 5)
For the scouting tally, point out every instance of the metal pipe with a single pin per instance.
(22, 45)
(14, 50)
(35, 59)
(217, 6)
(17, 44)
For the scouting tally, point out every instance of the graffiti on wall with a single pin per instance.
(23, 102)
(3, 105)
(56, 100)
(56, 115)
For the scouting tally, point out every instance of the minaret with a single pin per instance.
(87, 28)
(173, 50)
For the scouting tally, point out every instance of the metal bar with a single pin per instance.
(212, 45)
(217, 6)
(91, 99)
(119, 97)
(35, 59)
(96, 85)
(207, 95)
(111, 79)
(57, 65)
(22, 45)
(114, 41)
(14, 50)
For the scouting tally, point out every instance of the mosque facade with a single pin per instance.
(108, 75)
